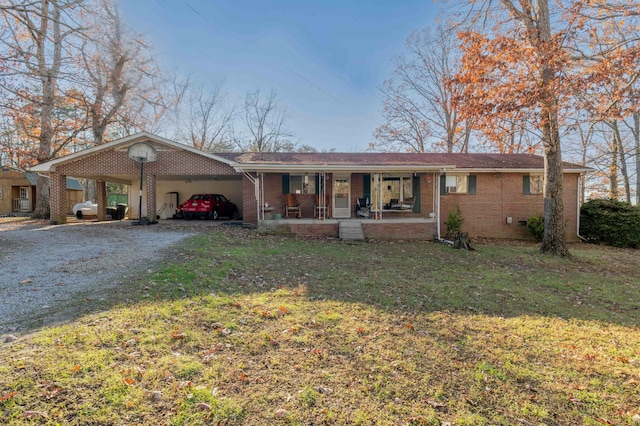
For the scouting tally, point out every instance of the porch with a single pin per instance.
(397, 227)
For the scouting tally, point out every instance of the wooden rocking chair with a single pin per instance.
(291, 205)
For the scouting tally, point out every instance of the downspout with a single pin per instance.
(578, 198)
(436, 189)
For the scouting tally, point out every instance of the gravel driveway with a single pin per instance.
(52, 273)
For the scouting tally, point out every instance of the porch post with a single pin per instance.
(58, 198)
(101, 190)
(151, 197)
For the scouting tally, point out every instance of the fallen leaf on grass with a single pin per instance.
(75, 368)
(32, 414)
(280, 413)
(52, 391)
(177, 335)
(7, 395)
(603, 421)
(128, 381)
(204, 406)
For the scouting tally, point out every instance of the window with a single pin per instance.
(533, 184)
(398, 188)
(457, 184)
(536, 183)
(302, 184)
(24, 193)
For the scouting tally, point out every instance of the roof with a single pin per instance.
(383, 161)
(367, 162)
(72, 183)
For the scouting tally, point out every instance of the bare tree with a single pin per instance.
(264, 120)
(419, 109)
(39, 33)
(207, 125)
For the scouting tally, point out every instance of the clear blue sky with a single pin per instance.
(324, 58)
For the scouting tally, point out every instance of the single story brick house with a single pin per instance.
(388, 195)
(18, 191)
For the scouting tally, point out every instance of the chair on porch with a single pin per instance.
(291, 205)
(363, 207)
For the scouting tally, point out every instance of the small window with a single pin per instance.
(522, 223)
(456, 184)
(24, 193)
(536, 183)
(302, 184)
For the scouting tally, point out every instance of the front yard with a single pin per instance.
(251, 329)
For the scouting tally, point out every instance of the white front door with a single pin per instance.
(341, 196)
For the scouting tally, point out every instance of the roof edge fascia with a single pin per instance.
(240, 167)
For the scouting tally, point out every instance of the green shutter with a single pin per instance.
(472, 184)
(366, 187)
(443, 184)
(526, 185)
(285, 183)
(416, 194)
(317, 183)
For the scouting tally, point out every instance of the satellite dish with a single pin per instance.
(142, 152)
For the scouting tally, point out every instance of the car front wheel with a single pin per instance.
(214, 215)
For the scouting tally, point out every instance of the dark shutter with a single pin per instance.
(472, 184)
(366, 187)
(526, 185)
(443, 184)
(317, 183)
(285, 183)
(416, 194)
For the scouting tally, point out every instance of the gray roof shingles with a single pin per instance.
(459, 160)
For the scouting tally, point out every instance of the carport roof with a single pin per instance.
(158, 142)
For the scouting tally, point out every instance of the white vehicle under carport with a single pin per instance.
(86, 209)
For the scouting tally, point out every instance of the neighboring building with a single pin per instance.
(390, 195)
(18, 191)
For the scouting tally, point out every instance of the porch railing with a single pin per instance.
(21, 205)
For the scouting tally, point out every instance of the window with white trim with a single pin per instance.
(24, 193)
(456, 184)
(302, 184)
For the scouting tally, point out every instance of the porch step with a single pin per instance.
(351, 231)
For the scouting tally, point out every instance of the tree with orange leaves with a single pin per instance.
(524, 67)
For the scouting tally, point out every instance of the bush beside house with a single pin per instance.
(610, 222)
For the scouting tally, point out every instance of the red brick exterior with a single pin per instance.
(168, 163)
(58, 198)
(101, 189)
(498, 196)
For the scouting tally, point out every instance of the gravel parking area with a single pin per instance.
(50, 274)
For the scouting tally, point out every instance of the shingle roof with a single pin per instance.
(459, 160)
(72, 183)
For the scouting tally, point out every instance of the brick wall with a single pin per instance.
(168, 163)
(499, 196)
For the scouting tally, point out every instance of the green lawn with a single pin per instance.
(251, 329)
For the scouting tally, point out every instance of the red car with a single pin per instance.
(209, 206)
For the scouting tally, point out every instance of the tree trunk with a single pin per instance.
(553, 240)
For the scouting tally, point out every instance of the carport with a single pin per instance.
(178, 172)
